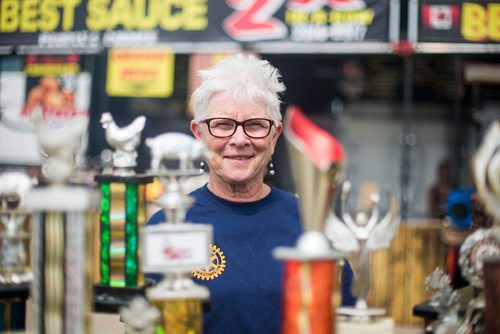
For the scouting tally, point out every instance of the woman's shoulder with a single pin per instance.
(284, 196)
(285, 201)
(157, 218)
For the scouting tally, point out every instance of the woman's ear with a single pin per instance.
(195, 129)
(277, 132)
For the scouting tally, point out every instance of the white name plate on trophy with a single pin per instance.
(377, 325)
(171, 248)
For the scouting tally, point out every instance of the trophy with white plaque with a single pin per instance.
(310, 267)
(360, 236)
(15, 271)
(63, 220)
(123, 212)
(175, 248)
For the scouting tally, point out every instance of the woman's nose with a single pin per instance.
(239, 135)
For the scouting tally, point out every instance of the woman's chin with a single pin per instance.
(240, 178)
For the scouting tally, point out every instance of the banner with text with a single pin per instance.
(94, 23)
(475, 21)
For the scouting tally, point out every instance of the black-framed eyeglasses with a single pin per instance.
(222, 127)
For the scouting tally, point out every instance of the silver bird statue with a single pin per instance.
(361, 236)
(124, 140)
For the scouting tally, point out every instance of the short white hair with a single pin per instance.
(241, 76)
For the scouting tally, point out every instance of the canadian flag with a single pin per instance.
(440, 17)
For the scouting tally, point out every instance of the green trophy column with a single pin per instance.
(123, 212)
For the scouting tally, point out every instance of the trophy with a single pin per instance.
(176, 248)
(492, 294)
(123, 212)
(140, 317)
(446, 302)
(484, 244)
(360, 236)
(310, 267)
(15, 272)
(63, 219)
(477, 247)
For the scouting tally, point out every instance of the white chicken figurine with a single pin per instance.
(124, 140)
(59, 143)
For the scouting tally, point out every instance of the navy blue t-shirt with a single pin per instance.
(244, 280)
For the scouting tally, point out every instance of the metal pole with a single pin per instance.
(407, 138)
(456, 167)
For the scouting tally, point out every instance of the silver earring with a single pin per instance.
(202, 167)
(271, 168)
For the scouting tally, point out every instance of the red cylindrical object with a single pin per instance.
(309, 288)
(492, 295)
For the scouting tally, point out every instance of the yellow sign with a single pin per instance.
(52, 15)
(140, 72)
(481, 23)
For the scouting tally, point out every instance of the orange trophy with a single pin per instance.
(310, 267)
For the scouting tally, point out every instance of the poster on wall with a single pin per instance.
(94, 23)
(52, 86)
(472, 21)
(140, 72)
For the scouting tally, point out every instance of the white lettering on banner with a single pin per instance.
(70, 38)
(91, 39)
(321, 33)
(309, 33)
(305, 6)
(120, 38)
(347, 32)
(253, 20)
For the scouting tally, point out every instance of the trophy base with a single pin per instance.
(379, 325)
(295, 253)
(127, 178)
(13, 299)
(163, 292)
(109, 299)
(360, 313)
(15, 291)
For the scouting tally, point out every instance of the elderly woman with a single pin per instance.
(237, 116)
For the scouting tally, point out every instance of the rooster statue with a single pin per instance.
(59, 143)
(124, 140)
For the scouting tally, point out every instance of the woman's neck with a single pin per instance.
(239, 192)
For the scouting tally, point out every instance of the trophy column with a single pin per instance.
(310, 267)
(15, 273)
(175, 248)
(63, 220)
(123, 212)
(480, 251)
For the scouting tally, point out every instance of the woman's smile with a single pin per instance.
(238, 157)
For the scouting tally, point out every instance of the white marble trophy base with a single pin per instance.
(378, 325)
(166, 291)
